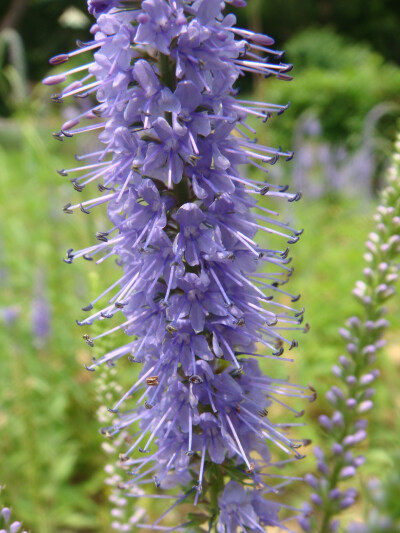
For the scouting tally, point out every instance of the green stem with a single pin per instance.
(166, 72)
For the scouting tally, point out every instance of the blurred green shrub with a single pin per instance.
(340, 82)
(13, 80)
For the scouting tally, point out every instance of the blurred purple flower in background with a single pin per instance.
(10, 314)
(40, 313)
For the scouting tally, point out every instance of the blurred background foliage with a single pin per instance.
(345, 106)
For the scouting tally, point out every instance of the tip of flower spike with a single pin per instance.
(54, 80)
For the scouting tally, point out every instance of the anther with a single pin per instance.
(148, 405)
(77, 187)
(294, 344)
(171, 329)
(267, 116)
(296, 197)
(263, 412)
(283, 188)
(264, 190)
(152, 381)
(279, 352)
(290, 156)
(57, 98)
(314, 395)
(250, 470)
(88, 340)
(84, 211)
(296, 298)
(90, 369)
(115, 411)
(101, 236)
(67, 209)
(102, 188)
(297, 315)
(142, 450)
(307, 328)
(59, 60)
(293, 240)
(87, 308)
(62, 172)
(195, 379)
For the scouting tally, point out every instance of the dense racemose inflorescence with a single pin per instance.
(351, 397)
(196, 308)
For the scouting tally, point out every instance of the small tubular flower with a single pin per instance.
(173, 135)
(7, 525)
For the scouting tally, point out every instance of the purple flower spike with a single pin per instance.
(346, 427)
(191, 295)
